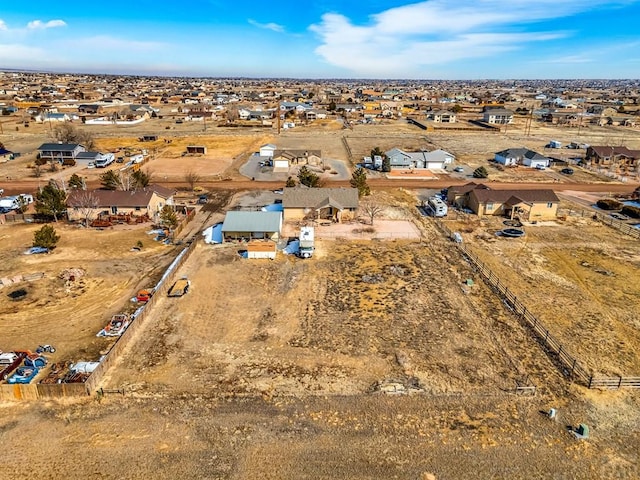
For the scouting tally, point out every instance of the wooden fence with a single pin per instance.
(59, 390)
(569, 364)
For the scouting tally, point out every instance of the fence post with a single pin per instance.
(620, 383)
(590, 381)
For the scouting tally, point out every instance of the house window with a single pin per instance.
(489, 206)
(549, 204)
(138, 209)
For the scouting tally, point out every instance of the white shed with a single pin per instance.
(267, 150)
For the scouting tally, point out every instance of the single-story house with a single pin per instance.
(527, 205)
(241, 225)
(283, 159)
(335, 204)
(607, 156)
(147, 201)
(89, 108)
(54, 117)
(435, 160)
(498, 116)
(521, 156)
(60, 151)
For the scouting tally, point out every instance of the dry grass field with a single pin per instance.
(578, 276)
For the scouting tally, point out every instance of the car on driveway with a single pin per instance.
(458, 169)
(567, 171)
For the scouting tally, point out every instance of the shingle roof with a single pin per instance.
(119, 198)
(58, 147)
(302, 197)
(485, 195)
(239, 221)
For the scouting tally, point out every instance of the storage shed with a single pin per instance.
(196, 149)
(247, 226)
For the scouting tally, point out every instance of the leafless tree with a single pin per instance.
(68, 133)
(192, 177)
(372, 209)
(86, 201)
(232, 114)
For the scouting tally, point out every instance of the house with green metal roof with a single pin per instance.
(247, 226)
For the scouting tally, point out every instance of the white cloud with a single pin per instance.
(3, 25)
(17, 52)
(438, 32)
(40, 25)
(267, 26)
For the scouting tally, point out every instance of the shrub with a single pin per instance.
(609, 204)
(631, 211)
(45, 237)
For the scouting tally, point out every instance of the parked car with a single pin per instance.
(23, 374)
(619, 216)
(9, 362)
(458, 169)
(567, 171)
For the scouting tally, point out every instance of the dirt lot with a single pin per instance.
(272, 369)
(69, 314)
(269, 369)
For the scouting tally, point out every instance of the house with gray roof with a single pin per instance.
(60, 151)
(435, 160)
(498, 116)
(335, 204)
(246, 226)
(521, 156)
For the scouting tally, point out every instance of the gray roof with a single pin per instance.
(58, 147)
(302, 197)
(521, 153)
(239, 221)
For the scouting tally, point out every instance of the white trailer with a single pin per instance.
(436, 207)
(307, 243)
(105, 160)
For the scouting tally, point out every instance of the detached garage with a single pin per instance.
(247, 226)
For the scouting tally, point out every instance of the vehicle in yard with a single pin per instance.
(179, 288)
(436, 207)
(9, 362)
(35, 360)
(458, 169)
(116, 326)
(36, 251)
(619, 216)
(144, 295)
(24, 374)
(567, 171)
(46, 349)
(306, 242)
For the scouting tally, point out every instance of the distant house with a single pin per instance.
(442, 116)
(335, 204)
(247, 226)
(521, 156)
(89, 108)
(60, 151)
(498, 116)
(53, 117)
(527, 205)
(435, 160)
(149, 201)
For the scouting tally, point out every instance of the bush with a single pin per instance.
(609, 204)
(631, 211)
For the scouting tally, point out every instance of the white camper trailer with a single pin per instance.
(306, 242)
(436, 207)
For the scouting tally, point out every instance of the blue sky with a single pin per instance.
(433, 39)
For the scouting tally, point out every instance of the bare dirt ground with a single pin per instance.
(69, 314)
(269, 369)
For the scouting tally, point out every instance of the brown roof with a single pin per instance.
(513, 197)
(113, 198)
(604, 151)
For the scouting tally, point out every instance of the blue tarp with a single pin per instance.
(274, 207)
(213, 234)
(292, 248)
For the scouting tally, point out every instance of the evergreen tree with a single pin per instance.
(76, 182)
(480, 172)
(51, 200)
(46, 237)
(168, 217)
(308, 178)
(359, 181)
